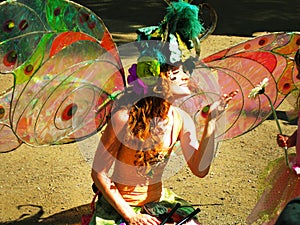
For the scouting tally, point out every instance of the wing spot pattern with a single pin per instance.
(86, 18)
(28, 69)
(57, 12)
(286, 86)
(8, 26)
(2, 112)
(69, 112)
(247, 46)
(262, 42)
(23, 25)
(10, 58)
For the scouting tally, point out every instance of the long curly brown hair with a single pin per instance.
(143, 108)
(145, 112)
(152, 106)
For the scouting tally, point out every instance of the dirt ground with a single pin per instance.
(52, 185)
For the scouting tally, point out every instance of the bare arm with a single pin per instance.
(105, 155)
(199, 155)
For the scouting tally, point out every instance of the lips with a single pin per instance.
(183, 85)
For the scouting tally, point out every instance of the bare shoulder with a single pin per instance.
(184, 115)
(120, 117)
(187, 121)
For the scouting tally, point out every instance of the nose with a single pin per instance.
(184, 75)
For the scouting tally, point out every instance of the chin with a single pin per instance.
(181, 93)
(178, 91)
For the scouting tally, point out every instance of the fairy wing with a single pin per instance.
(66, 70)
(243, 67)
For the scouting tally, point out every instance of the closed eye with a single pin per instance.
(176, 71)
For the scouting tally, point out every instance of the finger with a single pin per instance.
(228, 99)
(234, 93)
(280, 138)
(285, 143)
(153, 221)
(225, 95)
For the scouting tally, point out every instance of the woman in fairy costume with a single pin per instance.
(139, 138)
(294, 139)
(144, 127)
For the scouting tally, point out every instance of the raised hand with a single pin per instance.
(220, 106)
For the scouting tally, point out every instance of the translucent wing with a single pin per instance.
(66, 70)
(279, 179)
(206, 90)
(244, 66)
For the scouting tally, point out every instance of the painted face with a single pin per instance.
(179, 82)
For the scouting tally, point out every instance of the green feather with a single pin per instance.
(183, 18)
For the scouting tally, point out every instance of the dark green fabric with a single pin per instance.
(290, 214)
(105, 214)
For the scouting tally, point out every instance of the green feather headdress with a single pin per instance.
(183, 18)
(175, 35)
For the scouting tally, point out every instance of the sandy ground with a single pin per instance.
(52, 185)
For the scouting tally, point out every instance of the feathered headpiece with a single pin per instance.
(178, 30)
(171, 42)
(182, 18)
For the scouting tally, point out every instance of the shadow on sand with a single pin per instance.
(70, 217)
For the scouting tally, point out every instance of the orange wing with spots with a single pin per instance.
(243, 67)
(66, 70)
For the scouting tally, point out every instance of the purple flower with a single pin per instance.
(132, 74)
(139, 86)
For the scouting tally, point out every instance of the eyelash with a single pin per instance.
(174, 72)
